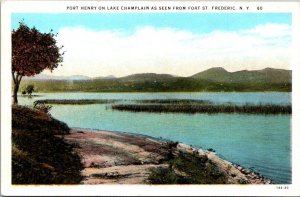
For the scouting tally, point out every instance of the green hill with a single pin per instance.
(213, 80)
(147, 77)
(217, 74)
(267, 75)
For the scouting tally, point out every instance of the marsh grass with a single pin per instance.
(75, 101)
(174, 101)
(176, 106)
(210, 109)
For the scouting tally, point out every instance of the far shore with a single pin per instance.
(111, 157)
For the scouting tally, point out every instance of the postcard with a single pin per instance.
(150, 98)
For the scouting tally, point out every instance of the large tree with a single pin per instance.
(32, 52)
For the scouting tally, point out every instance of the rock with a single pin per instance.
(185, 148)
(252, 181)
(201, 152)
(247, 171)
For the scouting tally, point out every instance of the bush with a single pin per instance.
(30, 89)
(167, 176)
(42, 107)
(186, 168)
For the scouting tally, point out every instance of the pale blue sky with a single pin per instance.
(175, 43)
(194, 22)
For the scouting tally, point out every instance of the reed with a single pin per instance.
(187, 108)
(74, 101)
(174, 101)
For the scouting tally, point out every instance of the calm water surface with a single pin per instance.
(255, 141)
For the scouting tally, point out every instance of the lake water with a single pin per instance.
(258, 142)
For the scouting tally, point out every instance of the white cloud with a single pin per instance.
(270, 30)
(167, 50)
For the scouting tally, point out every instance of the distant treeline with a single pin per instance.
(176, 84)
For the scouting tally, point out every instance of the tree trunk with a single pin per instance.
(17, 80)
(15, 93)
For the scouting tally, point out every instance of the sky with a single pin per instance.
(182, 44)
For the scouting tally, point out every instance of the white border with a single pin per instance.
(8, 7)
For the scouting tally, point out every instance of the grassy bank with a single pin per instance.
(188, 108)
(39, 153)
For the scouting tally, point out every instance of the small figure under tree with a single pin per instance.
(32, 52)
(29, 89)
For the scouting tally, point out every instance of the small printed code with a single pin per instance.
(282, 187)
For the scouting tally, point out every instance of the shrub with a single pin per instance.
(42, 107)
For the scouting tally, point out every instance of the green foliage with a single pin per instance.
(167, 176)
(29, 89)
(188, 169)
(42, 107)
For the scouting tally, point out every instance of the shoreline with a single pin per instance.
(114, 157)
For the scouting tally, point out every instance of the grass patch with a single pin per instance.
(75, 101)
(188, 169)
(39, 153)
(189, 108)
(167, 176)
(174, 101)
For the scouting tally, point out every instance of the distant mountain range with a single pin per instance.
(271, 75)
(105, 77)
(213, 79)
(216, 74)
(147, 77)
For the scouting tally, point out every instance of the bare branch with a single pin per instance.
(18, 78)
